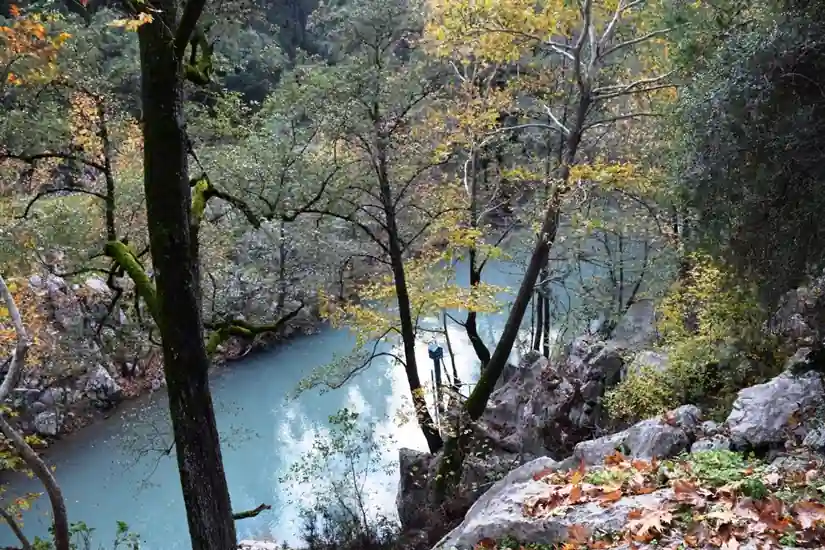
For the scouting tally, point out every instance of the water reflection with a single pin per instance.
(121, 469)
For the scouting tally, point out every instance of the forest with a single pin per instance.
(185, 184)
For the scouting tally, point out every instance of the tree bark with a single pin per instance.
(470, 324)
(422, 413)
(477, 401)
(539, 322)
(29, 456)
(168, 198)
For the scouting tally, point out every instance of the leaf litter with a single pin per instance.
(754, 505)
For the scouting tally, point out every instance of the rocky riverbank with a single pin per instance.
(754, 481)
(88, 355)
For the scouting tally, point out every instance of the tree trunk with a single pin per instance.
(546, 336)
(168, 197)
(422, 413)
(477, 401)
(470, 325)
(539, 322)
(18, 442)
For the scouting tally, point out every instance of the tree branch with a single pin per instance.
(244, 329)
(15, 528)
(31, 159)
(188, 21)
(602, 122)
(251, 513)
(21, 447)
(47, 192)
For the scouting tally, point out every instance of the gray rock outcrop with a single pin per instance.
(766, 414)
(499, 512)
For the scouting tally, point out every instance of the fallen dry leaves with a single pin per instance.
(689, 515)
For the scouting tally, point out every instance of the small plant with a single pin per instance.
(82, 538)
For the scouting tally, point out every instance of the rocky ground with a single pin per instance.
(547, 473)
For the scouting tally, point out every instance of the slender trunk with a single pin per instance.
(546, 336)
(471, 325)
(456, 382)
(168, 197)
(422, 413)
(282, 268)
(45, 476)
(477, 401)
(18, 443)
(539, 322)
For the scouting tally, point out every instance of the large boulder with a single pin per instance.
(499, 512)
(637, 329)
(769, 414)
(655, 437)
(48, 423)
(544, 409)
(102, 389)
(800, 316)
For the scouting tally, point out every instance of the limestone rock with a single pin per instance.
(47, 423)
(654, 437)
(101, 388)
(413, 487)
(799, 314)
(500, 512)
(715, 443)
(762, 414)
(637, 329)
(544, 409)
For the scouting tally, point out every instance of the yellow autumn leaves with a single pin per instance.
(28, 50)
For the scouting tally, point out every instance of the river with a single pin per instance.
(115, 470)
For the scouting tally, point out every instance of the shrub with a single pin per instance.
(711, 329)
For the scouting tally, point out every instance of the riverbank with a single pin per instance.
(91, 353)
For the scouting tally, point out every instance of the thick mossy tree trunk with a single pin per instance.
(168, 196)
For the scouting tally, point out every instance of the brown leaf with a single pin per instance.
(577, 534)
(636, 482)
(653, 521)
(609, 498)
(687, 492)
(641, 465)
(541, 474)
(635, 513)
(615, 458)
(808, 513)
(575, 494)
(724, 516)
(772, 478)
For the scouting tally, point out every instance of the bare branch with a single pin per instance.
(639, 86)
(22, 347)
(18, 443)
(251, 513)
(48, 192)
(31, 159)
(634, 41)
(15, 528)
(602, 122)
